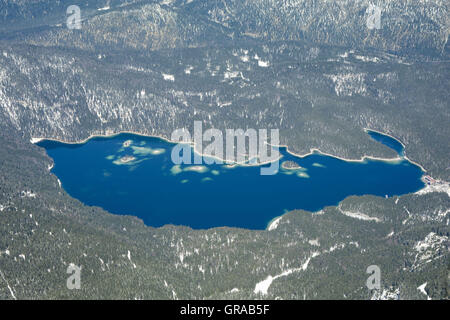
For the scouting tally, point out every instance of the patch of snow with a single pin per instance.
(440, 186)
(188, 70)
(274, 224)
(359, 215)
(129, 258)
(428, 249)
(349, 84)
(224, 104)
(200, 268)
(431, 241)
(168, 77)
(263, 64)
(305, 265)
(245, 58)
(263, 286)
(386, 294)
(355, 243)
(35, 140)
(102, 264)
(367, 59)
(7, 284)
(421, 288)
(230, 74)
(335, 247)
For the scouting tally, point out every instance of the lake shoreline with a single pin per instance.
(311, 152)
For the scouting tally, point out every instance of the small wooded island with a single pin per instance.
(290, 165)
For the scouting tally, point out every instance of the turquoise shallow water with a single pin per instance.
(152, 188)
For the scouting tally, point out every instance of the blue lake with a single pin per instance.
(134, 175)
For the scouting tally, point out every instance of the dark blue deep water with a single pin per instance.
(152, 188)
(388, 141)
